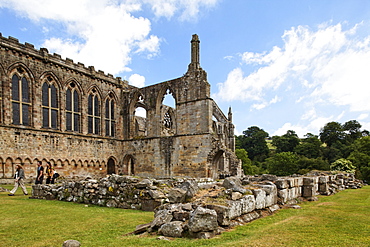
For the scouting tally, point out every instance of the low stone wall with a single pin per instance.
(197, 208)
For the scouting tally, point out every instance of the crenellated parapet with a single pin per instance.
(29, 52)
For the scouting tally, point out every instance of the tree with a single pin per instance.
(343, 165)
(309, 147)
(254, 142)
(353, 131)
(306, 164)
(247, 166)
(332, 153)
(331, 133)
(360, 157)
(286, 142)
(283, 164)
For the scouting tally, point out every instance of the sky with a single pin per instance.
(279, 64)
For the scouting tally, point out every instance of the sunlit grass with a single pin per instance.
(339, 220)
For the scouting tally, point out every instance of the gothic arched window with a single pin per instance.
(93, 113)
(21, 103)
(1, 100)
(50, 107)
(167, 120)
(73, 113)
(110, 123)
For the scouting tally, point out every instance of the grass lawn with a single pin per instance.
(339, 220)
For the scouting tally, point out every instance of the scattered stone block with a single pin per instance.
(308, 181)
(202, 220)
(176, 195)
(71, 243)
(308, 191)
(191, 188)
(172, 229)
(260, 197)
(250, 216)
(233, 183)
(281, 184)
(273, 208)
(161, 217)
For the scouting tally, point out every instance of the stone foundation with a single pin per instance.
(197, 208)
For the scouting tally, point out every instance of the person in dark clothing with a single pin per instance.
(40, 173)
(18, 181)
(49, 174)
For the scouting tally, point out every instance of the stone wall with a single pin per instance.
(27, 146)
(197, 208)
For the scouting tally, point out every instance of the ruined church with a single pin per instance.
(85, 122)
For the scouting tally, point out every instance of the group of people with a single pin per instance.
(19, 177)
(51, 175)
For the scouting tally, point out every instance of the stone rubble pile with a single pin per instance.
(194, 208)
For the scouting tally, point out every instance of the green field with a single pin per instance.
(339, 220)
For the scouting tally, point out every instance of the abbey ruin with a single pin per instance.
(83, 121)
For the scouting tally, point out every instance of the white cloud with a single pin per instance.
(140, 112)
(321, 69)
(103, 33)
(259, 106)
(265, 104)
(302, 129)
(326, 62)
(299, 130)
(187, 10)
(363, 116)
(344, 79)
(311, 122)
(137, 80)
(229, 58)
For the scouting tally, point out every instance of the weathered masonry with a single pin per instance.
(197, 207)
(86, 124)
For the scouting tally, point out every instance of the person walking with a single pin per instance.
(40, 173)
(18, 181)
(49, 173)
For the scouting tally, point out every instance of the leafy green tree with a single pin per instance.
(254, 142)
(286, 142)
(365, 133)
(239, 142)
(332, 153)
(338, 139)
(360, 157)
(283, 164)
(343, 165)
(353, 131)
(308, 164)
(247, 166)
(309, 147)
(331, 133)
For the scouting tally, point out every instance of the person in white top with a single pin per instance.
(18, 181)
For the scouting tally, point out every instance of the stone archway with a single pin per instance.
(129, 165)
(218, 164)
(111, 167)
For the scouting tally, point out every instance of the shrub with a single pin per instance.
(343, 165)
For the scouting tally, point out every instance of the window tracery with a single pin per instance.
(50, 107)
(167, 120)
(21, 104)
(93, 113)
(73, 112)
(110, 123)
